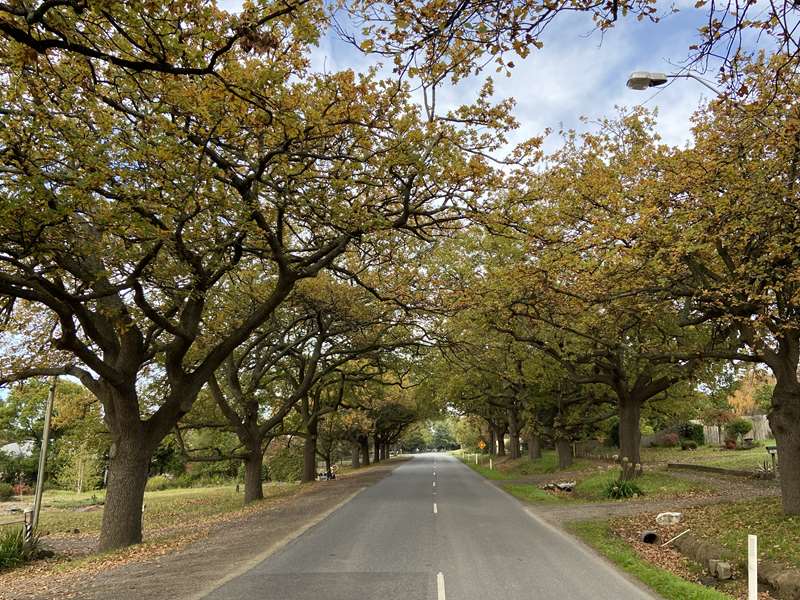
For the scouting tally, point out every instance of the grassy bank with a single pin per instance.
(730, 524)
(591, 488)
(506, 469)
(597, 535)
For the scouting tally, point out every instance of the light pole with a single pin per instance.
(48, 412)
(642, 80)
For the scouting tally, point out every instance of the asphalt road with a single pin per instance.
(432, 530)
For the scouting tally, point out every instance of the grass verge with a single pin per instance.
(505, 468)
(597, 535)
(590, 489)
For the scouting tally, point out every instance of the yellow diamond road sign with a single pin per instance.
(482, 445)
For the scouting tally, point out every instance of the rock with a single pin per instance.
(669, 518)
(724, 570)
(566, 486)
(712, 566)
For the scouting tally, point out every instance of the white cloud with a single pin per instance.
(577, 73)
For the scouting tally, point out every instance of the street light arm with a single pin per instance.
(696, 78)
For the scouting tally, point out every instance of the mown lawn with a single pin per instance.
(598, 535)
(730, 524)
(711, 456)
(591, 488)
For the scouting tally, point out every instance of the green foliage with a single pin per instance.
(694, 432)
(688, 445)
(13, 549)
(6, 491)
(738, 427)
(443, 435)
(622, 489)
(286, 464)
(15, 468)
(80, 469)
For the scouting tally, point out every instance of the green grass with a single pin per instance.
(653, 484)
(531, 493)
(671, 587)
(711, 456)
(505, 468)
(591, 488)
(729, 525)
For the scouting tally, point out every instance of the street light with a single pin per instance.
(641, 80)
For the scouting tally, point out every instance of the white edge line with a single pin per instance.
(440, 586)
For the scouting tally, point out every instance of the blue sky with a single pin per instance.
(578, 73)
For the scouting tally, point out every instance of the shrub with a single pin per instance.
(688, 445)
(620, 489)
(6, 491)
(158, 483)
(693, 432)
(738, 427)
(22, 489)
(286, 464)
(667, 440)
(13, 549)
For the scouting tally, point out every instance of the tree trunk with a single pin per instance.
(310, 452)
(630, 437)
(376, 449)
(492, 442)
(253, 489)
(784, 420)
(534, 447)
(564, 449)
(501, 442)
(355, 456)
(513, 433)
(127, 477)
(364, 443)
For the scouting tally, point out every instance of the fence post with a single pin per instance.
(27, 527)
(752, 567)
(490, 464)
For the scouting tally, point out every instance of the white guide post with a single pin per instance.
(752, 567)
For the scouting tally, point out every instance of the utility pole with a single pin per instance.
(48, 412)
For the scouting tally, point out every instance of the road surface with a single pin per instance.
(432, 530)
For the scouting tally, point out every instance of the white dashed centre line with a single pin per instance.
(435, 509)
(440, 586)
